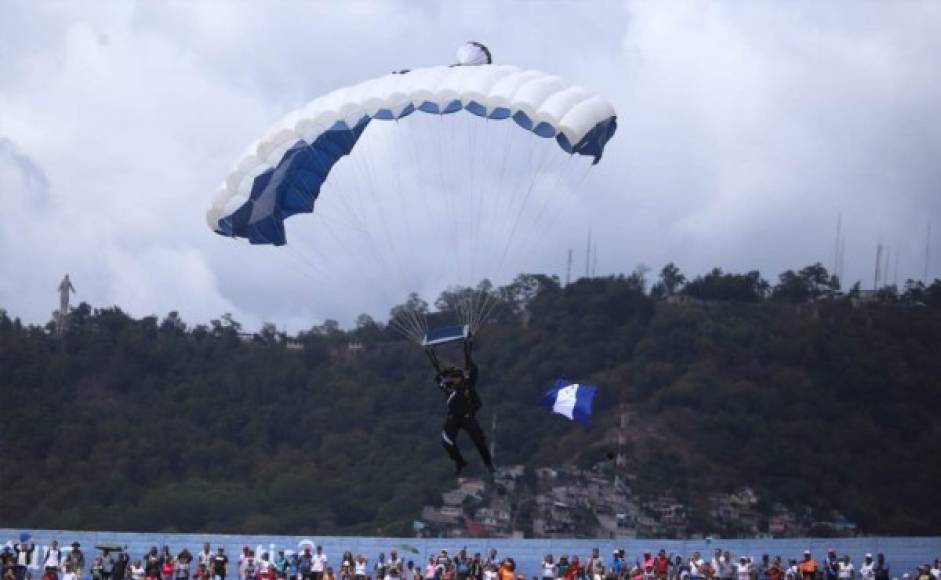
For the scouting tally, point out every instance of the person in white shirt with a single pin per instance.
(360, 567)
(204, 557)
(68, 574)
(846, 570)
(318, 564)
(52, 559)
(137, 570)
(548, 568)
(696, 564)
(743, 569)
(866, 571)
(936, 570)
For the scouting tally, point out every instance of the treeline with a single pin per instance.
(815, 398)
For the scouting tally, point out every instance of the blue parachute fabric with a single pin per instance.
(293, 186)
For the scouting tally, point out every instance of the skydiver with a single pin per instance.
(460, 387)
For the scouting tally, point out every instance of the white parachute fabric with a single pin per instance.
(540, 102)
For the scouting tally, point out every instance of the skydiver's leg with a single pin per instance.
(449, 440)
(473, 429)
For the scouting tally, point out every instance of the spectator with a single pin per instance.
(661, 565)
(867, 571)
(136, 570)
(845, 569)
(305, 564)
(507, 570)
(346, 571)
(360, 567)
(121, 565)
(96, 569)
(204, 558)
(380, 566)
(727, 568)
(249, 566)
(562, 567)
(69, 574)
(220, 565)
(476, 567)
(831, 566)
(107, 565)
(717, 560)
(76, 559)
(548, 568)
(266, 569)
(808, 567)
(411, 572)
(328, 574)
(166, 569)
(430, 568)
(281, 565)
(881, 569)
(743, 571)
(318, 565)
(936, 570)
(202, 572)
(396, 562)
(462, 565)
(696, 565)
(24, 555)
(573, 572)
(52, 560)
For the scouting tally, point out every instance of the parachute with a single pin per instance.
(285, 172)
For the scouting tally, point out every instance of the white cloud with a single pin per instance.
(744, 131)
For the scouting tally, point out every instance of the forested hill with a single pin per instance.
(807, 395)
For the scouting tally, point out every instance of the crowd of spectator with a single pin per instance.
(311, 563)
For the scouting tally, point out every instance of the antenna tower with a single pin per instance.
(568, 269)
(875, 283)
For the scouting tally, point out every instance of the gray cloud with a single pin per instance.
(744, 131)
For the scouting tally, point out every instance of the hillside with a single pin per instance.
(813, 398)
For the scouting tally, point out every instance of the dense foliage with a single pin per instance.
(811, 397)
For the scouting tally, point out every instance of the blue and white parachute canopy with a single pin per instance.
(282, 173)
(572, 400)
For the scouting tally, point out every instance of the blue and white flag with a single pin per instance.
(571, 400)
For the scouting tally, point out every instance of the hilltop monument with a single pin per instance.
(65, 288)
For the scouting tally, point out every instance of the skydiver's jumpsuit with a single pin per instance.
(463, 404)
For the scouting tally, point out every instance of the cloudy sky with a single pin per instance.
(745, 130)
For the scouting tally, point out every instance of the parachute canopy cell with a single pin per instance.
(282, 174)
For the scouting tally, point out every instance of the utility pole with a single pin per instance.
(588, 257)
(927, 253)
(568, 269)
(895, 270)
(594, 261)
(493, 437)
(620, 460)
(836, 248)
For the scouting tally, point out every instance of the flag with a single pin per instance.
(571, 400)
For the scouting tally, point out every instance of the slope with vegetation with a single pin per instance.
(808, 395)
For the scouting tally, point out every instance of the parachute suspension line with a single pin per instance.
(447, 153)
(489, 300)
(413, 323)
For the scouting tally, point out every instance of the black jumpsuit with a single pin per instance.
(463, 404)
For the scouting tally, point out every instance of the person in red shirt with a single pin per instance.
(575, 570)
(661, 565)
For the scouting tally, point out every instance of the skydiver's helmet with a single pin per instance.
(453, 374)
